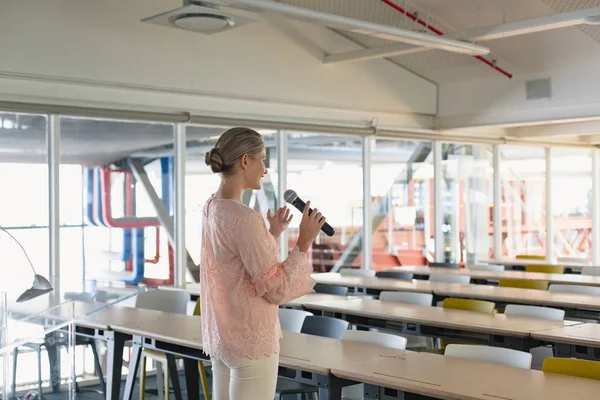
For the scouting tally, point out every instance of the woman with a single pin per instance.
(242, 281)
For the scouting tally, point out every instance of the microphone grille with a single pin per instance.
(290, 195)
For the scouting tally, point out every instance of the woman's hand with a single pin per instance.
(279, 221)
(310, 226)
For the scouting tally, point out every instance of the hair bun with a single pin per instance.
(214, 159)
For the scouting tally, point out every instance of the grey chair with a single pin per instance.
(444, 265)
(330, 289)
(405, 276)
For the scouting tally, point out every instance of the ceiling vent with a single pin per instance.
(538, 89)
(198, 17)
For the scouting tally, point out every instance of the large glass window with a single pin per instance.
(523, 197)
(327, 171)
(571, 202)
(401, 189)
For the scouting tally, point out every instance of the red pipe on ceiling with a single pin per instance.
(438, 32)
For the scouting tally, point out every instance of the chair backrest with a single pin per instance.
(576, 289)
(356, 272)
(486, 267)
(444, 265)
(405, 276)
(591, 271)
(469, 305)
(378, 338)
(524, 284)
(519, 310)
(573, 367)
(573, 260)
(546, 269)
(497, 355)
(331, 289)
(420, 299)
(530, 257)
(292, 320)
(450, 278)
(171, 301)
(324, 326)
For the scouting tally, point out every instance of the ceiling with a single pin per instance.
(517, 55)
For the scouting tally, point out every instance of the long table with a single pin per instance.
(454, 378)
(570, 279)
(497, 329)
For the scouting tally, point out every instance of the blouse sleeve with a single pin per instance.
(277, 282)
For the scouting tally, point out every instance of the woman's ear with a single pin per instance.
(244, 161)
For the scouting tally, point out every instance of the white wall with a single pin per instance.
(98, 53)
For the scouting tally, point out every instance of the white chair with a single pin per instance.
(291, 320)
(355, 392)
(575, 289)
(496, 355)
(573, 260)
(486, 267)
(356, 272)
(540, 353)
(518, 310)
(450, 278)
(591, 271)
(420, 299)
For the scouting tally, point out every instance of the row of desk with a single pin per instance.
(332, 364)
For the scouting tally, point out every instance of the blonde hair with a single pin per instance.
(230, 146)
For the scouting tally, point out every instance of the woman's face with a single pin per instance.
(255, 170)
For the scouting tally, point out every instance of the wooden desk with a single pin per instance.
(454, 378)
(580, 341)
(380, 284)
(523, 296)
(497, 275)
(313, 297)
(511, 332)
(192, 288)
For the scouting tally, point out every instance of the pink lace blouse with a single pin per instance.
(242, 282)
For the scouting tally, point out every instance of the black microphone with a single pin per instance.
(292, 197)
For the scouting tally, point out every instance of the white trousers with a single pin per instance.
(245, 379)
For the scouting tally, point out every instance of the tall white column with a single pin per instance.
(180, 247)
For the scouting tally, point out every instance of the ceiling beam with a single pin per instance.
(523, 27)
(561, 129)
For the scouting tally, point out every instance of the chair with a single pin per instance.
(324, 326)
(590, 271)
(450, 278)
(405, 276)
(175, 302)
(355, 392)
(331, 289)
(546, 269)
(292, 320)
(486, 267)
(469, 305)
(573, 367)
(530, 257)
(524, 284)
(496, 355)
(539, 353)
(444, 265)
(420, 299)
(575, 289)
(318, 326)
(356, 272)
(574, 260)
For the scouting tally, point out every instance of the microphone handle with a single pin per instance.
(326, 228)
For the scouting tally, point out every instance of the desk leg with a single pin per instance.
(335, 388)
(115, 342)
(174, 376)
(192, 381)
(134, 364)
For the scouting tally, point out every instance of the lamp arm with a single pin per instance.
(22, 248)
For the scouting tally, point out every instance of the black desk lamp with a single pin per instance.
(40, 284)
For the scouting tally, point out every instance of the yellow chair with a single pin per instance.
(530, 257)
(573, 367)
(486, 307)
(161, 357)
(523, 284)
(546, 269)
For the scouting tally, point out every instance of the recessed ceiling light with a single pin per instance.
(202, 22)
